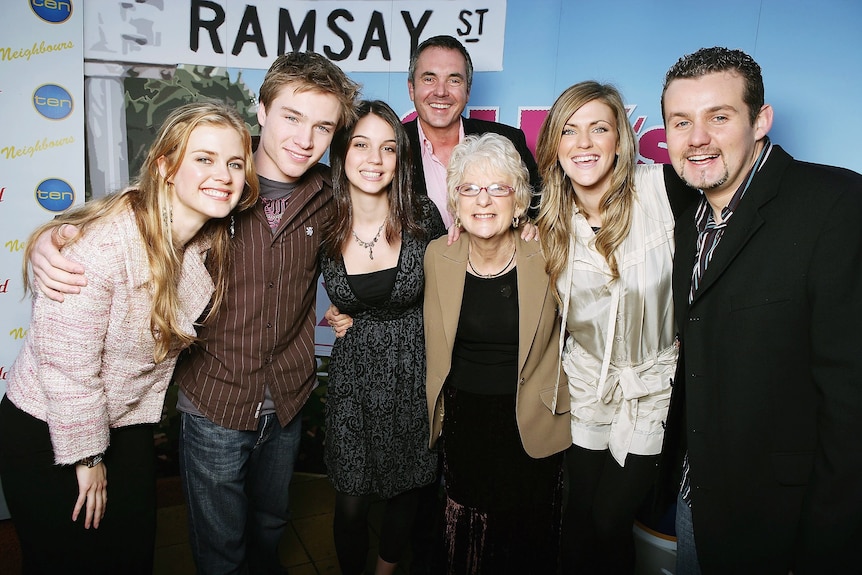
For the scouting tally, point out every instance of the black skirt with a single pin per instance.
(503, 508)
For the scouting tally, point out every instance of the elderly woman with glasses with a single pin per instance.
(496, 398)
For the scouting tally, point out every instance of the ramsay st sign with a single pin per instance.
(358, 35)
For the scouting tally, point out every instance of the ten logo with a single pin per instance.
(52, 101)
(55, 195)
(53, 11)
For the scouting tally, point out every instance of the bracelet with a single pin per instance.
(91, 461)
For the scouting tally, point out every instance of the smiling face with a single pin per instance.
(439, 89)
(209, 180)
(485, 216)
(710, 138)
(371, 156)
(296, 129)
(588, 147)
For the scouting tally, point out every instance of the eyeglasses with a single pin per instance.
(496, 190)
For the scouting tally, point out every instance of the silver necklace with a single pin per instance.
(490, 276)
(369, 245)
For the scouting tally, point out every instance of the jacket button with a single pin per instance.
(522, 382)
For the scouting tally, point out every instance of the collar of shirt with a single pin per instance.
(705, 217)
(274, 196)
(435, 173)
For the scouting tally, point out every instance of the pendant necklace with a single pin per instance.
(369, 245)
(492, 275)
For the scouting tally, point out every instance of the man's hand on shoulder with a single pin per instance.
(54, 274)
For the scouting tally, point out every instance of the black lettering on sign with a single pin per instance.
(296, 38)
(211, 26)
(465, 18)
(375, 36)
(415, 31)
(249, 31)
(297, 32)
(345, 37)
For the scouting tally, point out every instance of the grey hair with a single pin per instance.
(447, 43)
(492, 152)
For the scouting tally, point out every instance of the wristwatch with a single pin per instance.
(91, 461)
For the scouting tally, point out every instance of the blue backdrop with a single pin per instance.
(810, 52)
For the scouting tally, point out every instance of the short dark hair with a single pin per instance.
(447, 43)
(719, 59)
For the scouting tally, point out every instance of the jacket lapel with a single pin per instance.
(450, 286)
(746, 219)
(685, 251)
(533, 286)
(412, 130)
(310, 189)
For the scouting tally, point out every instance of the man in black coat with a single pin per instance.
(439, 82)
(768, 298)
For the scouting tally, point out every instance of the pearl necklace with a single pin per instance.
(369, 245)
(492, 275)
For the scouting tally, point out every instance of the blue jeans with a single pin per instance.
(236, 486)
(686, 552)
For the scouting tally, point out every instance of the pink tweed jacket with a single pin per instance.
(87, 363)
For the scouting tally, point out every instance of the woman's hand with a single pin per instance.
(529, 232)
(54, 274)
(92, 491)
(452, 234)
(339, 322)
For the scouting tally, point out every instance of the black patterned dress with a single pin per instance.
(376, 411)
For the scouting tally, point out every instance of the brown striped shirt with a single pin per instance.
(263, 335)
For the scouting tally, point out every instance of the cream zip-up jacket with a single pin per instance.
(620, 355)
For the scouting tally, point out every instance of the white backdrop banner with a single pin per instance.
(358, 35)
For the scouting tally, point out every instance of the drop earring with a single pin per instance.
(168, 211)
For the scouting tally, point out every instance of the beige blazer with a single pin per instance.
(542, 402)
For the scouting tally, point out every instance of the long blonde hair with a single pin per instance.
(558, 196)
(149, 198)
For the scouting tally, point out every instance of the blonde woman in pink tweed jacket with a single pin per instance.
(90, 380)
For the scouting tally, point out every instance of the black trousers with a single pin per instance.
(603, 499)
(41, 496)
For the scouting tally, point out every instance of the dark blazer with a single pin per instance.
(544, 424)
(473, 126)
(768, 395)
